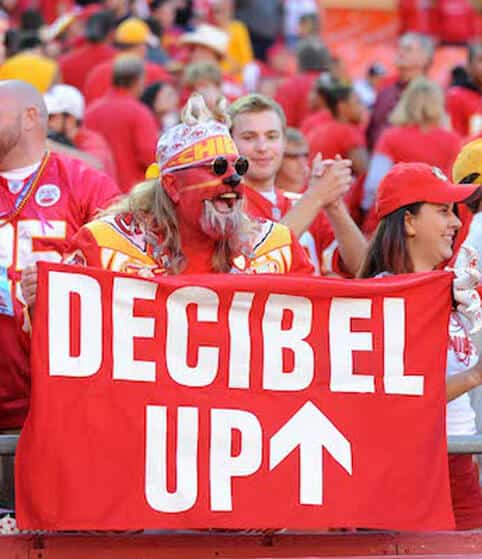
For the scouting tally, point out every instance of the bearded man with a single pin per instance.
(190, 220)
(44, 199)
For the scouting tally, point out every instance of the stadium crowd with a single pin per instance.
(91, 119)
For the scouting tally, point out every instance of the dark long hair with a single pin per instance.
(388, 251)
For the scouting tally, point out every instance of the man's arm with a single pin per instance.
(329, 182)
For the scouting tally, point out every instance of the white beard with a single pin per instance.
(222, 226)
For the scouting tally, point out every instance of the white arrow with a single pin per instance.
(311, 431)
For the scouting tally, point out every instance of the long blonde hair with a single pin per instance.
(154, 213)
(422, 103)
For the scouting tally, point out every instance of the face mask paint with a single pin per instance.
(206, 201)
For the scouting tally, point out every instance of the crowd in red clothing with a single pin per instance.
(115, 73)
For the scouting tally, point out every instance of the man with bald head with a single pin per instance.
(44, 199)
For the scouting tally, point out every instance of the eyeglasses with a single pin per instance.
(220, 165)
(289, 155)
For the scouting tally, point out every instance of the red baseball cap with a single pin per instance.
(408, 183)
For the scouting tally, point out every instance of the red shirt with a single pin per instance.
(67, 195)
(99, 79)
(406, 144)
(94, 144)
(292, 95)
(313, 121)
(334, 138)
(318, 241)
(76, 64)
(455, 21)
(274, 250)
(130, 129)
(465, 109)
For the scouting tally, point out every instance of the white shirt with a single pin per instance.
(461, 356)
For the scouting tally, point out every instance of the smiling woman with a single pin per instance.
(415, 203)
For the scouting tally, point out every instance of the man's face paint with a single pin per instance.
(208, 201)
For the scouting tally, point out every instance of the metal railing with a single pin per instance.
(457, 444)
(8, 443)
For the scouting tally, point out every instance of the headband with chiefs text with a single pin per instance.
(221, 401)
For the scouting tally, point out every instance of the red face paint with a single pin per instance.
(192, 187)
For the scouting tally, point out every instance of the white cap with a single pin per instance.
(65, 99)
(208, 36)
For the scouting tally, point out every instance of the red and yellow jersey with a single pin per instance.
(114, 243)
(318, 240)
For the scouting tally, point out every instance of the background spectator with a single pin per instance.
(131, 38)
(163, 100)
(132, 134)
(294, 170)
(76, 64)
(367, 88)
(464, 101)
(418, 133)
(65, 105)
(414, 57)
(341, 134)
(313, 57)
(264, 21)
(239, 51)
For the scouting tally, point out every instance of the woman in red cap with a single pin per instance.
(415, 206)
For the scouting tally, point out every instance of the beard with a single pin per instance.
(9, 138)
(222, 226)
(226, 229)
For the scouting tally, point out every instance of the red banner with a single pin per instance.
(232, 401)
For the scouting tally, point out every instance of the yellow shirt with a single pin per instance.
(239, 52)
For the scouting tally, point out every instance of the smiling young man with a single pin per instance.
(334, 242)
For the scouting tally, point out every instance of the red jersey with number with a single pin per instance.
(465, 110)
(66, 195)
(406, 144)
(116, 243)
(318, 240)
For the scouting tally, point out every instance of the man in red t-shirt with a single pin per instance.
(464, 102)
(258, 129)
(131, 38)
(76, 64)
(293, 94)
(127, 125)
(45, 198)
(341, 134)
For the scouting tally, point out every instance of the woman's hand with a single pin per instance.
(467, 278)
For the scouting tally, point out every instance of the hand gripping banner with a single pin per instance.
(231, 401)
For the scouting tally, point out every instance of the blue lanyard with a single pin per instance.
(23, 193)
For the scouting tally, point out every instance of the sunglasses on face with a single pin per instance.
(220, 165)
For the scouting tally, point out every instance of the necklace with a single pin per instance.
(25, 194)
